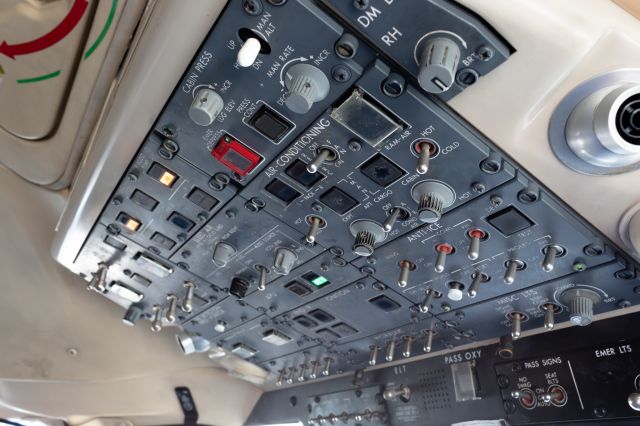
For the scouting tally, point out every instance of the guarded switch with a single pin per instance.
(236, 156)
(307, 85)
(205, 107)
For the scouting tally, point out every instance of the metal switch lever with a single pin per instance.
(327, 366)
(443, 250)
(425, 305)
(321, 156)
(391, 348)
(513, 266)
(402, 392)
(156, 324)
(474, 246)
(394, 214)
(170, 315)
(262, 277)
(187, 302)
(315, 223)
(99, 280)
(373, 356)
(406, 350)
(405, 267)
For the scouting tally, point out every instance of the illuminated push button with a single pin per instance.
(236, 156)
(206, 106)
(248, 53)
(129, 222)
(162, 174)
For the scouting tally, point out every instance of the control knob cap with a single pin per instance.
(581, 302)
(306, 85)
(634, 401)
(438, 61)
(205, 107)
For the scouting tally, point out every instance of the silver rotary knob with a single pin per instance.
(223, 253)
(580, 302)
(367, 234)
(284, 261)
(432, 197)
(306, 85)
(206, 106)
(438, 61)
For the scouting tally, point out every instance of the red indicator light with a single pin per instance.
(235, 155)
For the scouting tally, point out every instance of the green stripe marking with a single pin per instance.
(1, 70)
(39, 78)
(105, 29)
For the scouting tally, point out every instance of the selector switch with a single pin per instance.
(306, 85)
(284, 261)
(223, 253)
(205, 107)
(367, 234)
(580, 302)
(438, 61)
(432, 197)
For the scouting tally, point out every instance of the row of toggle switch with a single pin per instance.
(299, 374)
(512, 266)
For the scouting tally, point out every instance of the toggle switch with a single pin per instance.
(187, 302)
(401, 392)
(170, 315)
(314, 370)
(223, 253)
(425, 305)
(306, 85)
(394, 214)
(438, 59)
(323, 155)
(391, 349)
(156, 323)
(476, 236)
(262, 277)
(513, 266)
(292, 372)
(516, 318)
(425, 150)
(367, 234)
(550, 310)
(373, 355)
(476, 278)
(428, 344)
(551, 252)
(443, 250)
(248, 53)
(432, 197)
(284, 261)
(327, 366)
(281, 374)
(315, 224)
(302, 373)
(406, 349)
(206, 106)
(99, 281)
(406, 266)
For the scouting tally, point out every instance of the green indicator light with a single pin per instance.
(319, 280)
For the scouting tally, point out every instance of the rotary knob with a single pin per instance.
(205, 107)
(284, 261)
(580, 302)
(306, 85)
(432, 197)
(437, 62)
(367, 234)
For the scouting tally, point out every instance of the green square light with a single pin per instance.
(319, 280)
